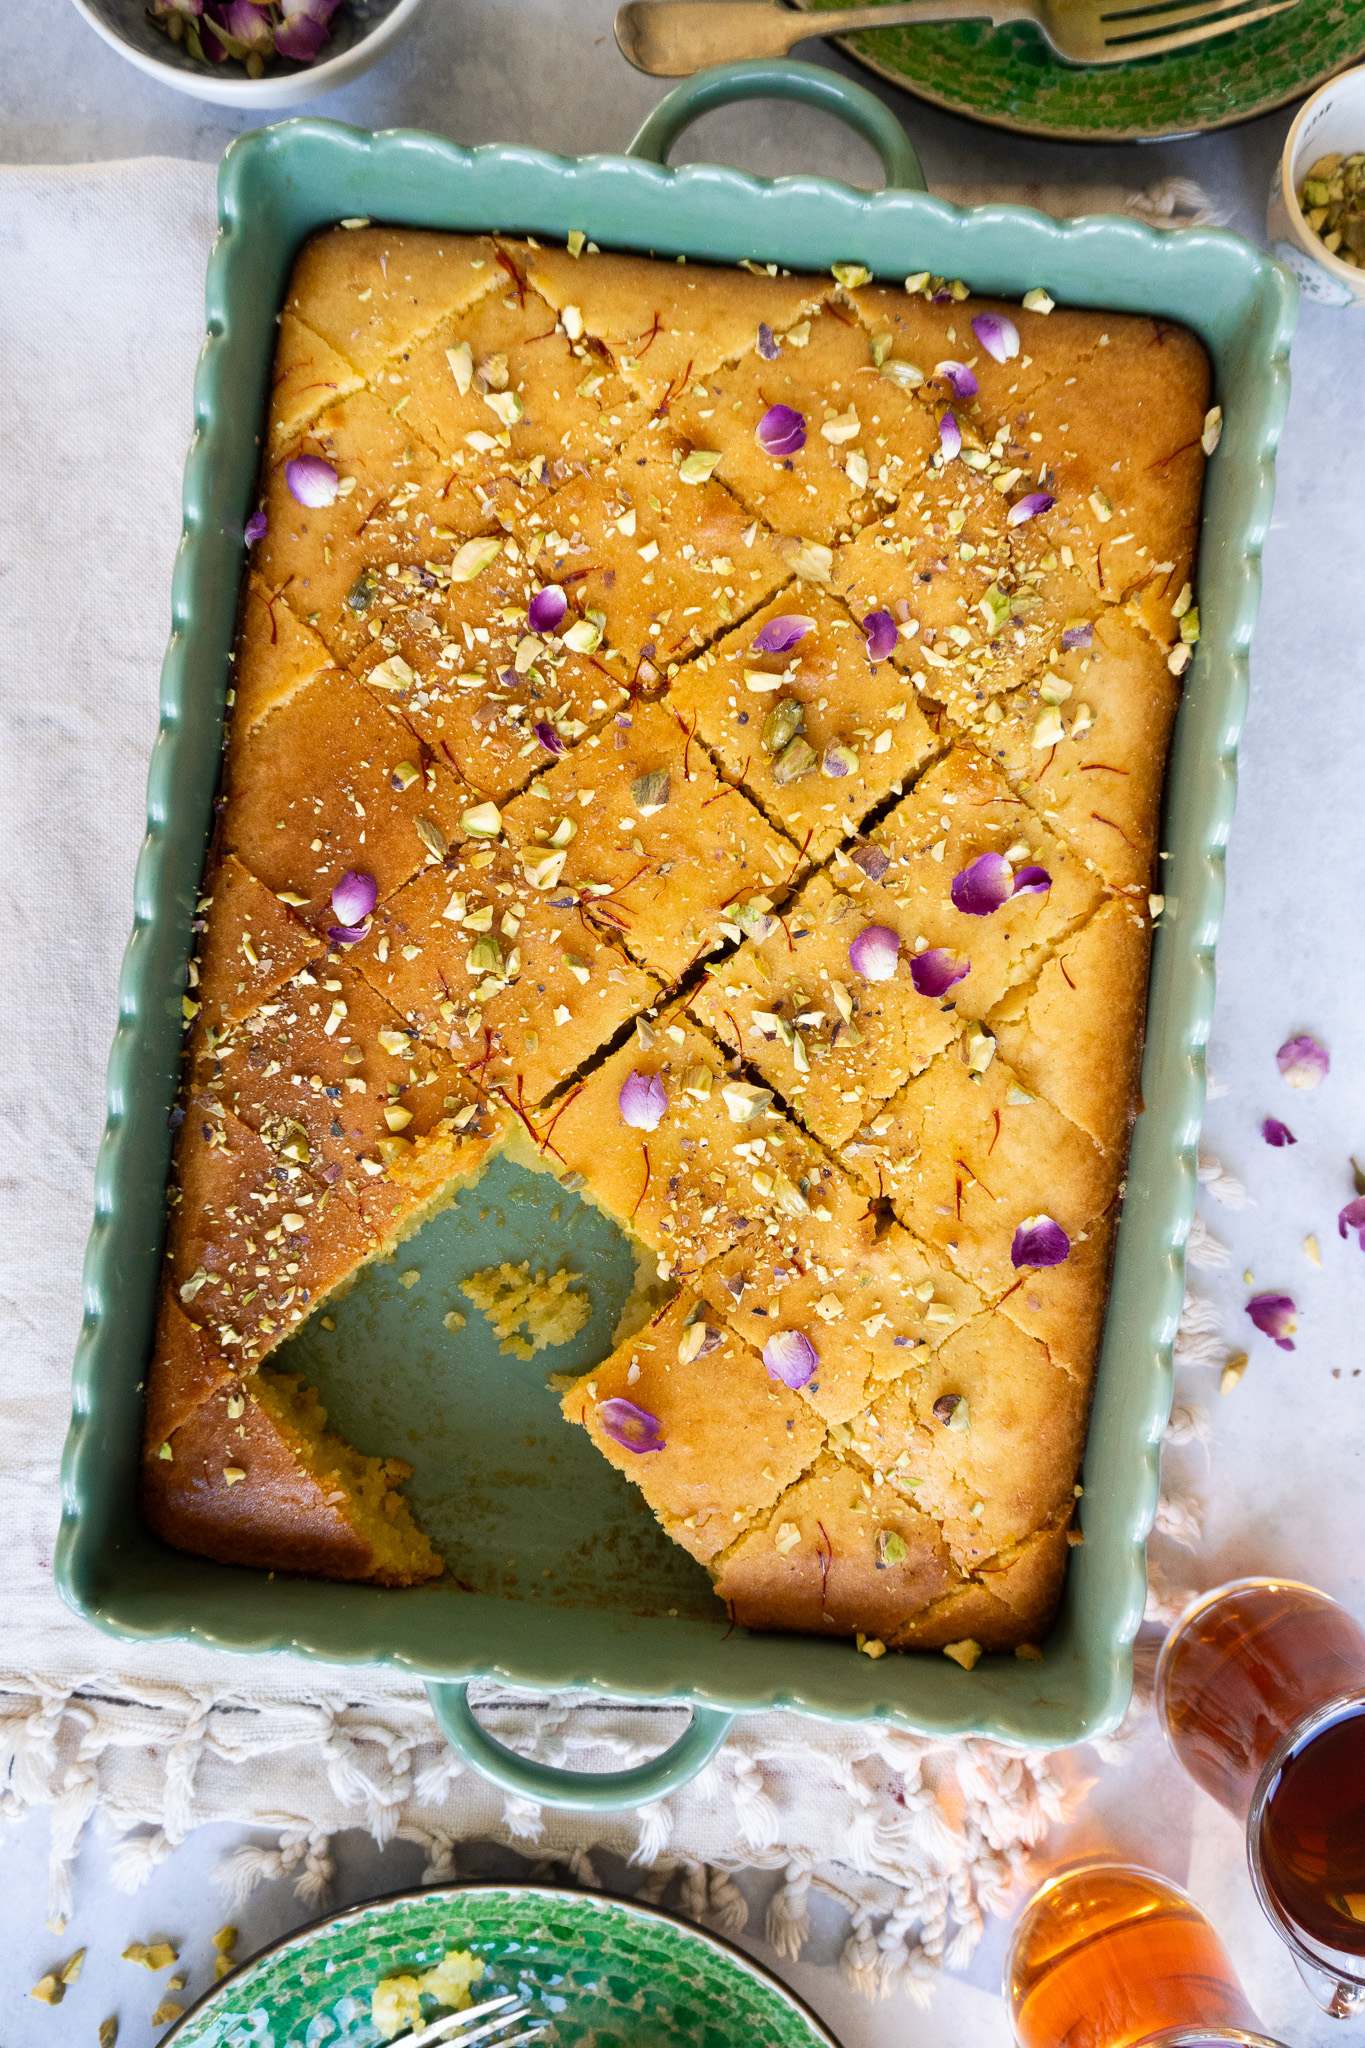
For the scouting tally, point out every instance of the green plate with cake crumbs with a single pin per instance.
(603, 1973)
(1010, 78)
(558, 1576)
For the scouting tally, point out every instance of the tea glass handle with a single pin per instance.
(783, 78)
(1339, 1998)
(579, 1791)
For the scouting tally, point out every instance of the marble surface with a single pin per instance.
(1281, 1476)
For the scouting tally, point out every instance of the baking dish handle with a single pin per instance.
(582, 1791)
(783, 78)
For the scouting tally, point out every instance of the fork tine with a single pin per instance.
(1186, 38)
(455, 2026)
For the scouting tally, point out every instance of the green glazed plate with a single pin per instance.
(1010, 78)
(558, 1576)
(601, 1970)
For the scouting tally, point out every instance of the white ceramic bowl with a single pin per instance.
(1333, 119)
(361, 32)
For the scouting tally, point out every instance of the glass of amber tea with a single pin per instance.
(1261, 1689)
(1108, 1955)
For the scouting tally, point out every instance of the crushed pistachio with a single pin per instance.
(696, 468)
(153, 1955)
(967, 1653)
(1332, 197)
(649, 793)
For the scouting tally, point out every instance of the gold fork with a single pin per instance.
(672, 38)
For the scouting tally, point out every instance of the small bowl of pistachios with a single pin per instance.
(1316, 218)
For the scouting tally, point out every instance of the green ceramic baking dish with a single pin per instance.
(558, 1577)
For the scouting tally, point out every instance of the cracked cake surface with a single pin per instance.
(701, 732)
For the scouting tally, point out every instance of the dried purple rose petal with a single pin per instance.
(254, 529)
(546, 609)
(983, 885)
(248, 25)
(1040, 1242)
(790, 1357)
(1278, 1134)
(1274, 1316)
(305, 28)
(949, 437)
(1352, 1217)
(354, 897)
(936, 971)
(1081, 635)
(642, 1101)
(880, 629)
(959, 377)
(781, 431)
(874, 953)
(1029, 507)
(1032, 882)
(311, 481)
(348, 934)
(635, 1429)
(768, 346)
(781, 634)
(1303, 1062)
(548, 737)
(997, 335)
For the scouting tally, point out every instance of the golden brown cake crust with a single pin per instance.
(282, 1519)
(639, 731)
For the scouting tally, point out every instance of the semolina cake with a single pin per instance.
(701, 733)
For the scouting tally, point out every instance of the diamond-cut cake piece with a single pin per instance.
(732, 1436)
(1083, 741)
(1074, 1033)
(817, 735)
(665, 325)
(870, 1304)
(514, 979)
(964, 1158)
(833, 1043)
(522, 396)
(396, 502)
(655, 846)
(1064, 1306)
(373, 291)
(320, 788)
(1011, 1598)
(926, 336)
(257, 1241)
(989, 601)
(333, 1080)
(1120, 442)
(836, 1556)
(254, 1477)
(276, 656)
(309, 377)
(665, 562)
(252, 944)
(995, 1469)
(487, 696)
(862, 434)
(959, 810)
(721, 1162)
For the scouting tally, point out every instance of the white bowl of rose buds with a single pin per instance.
(251, 53)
